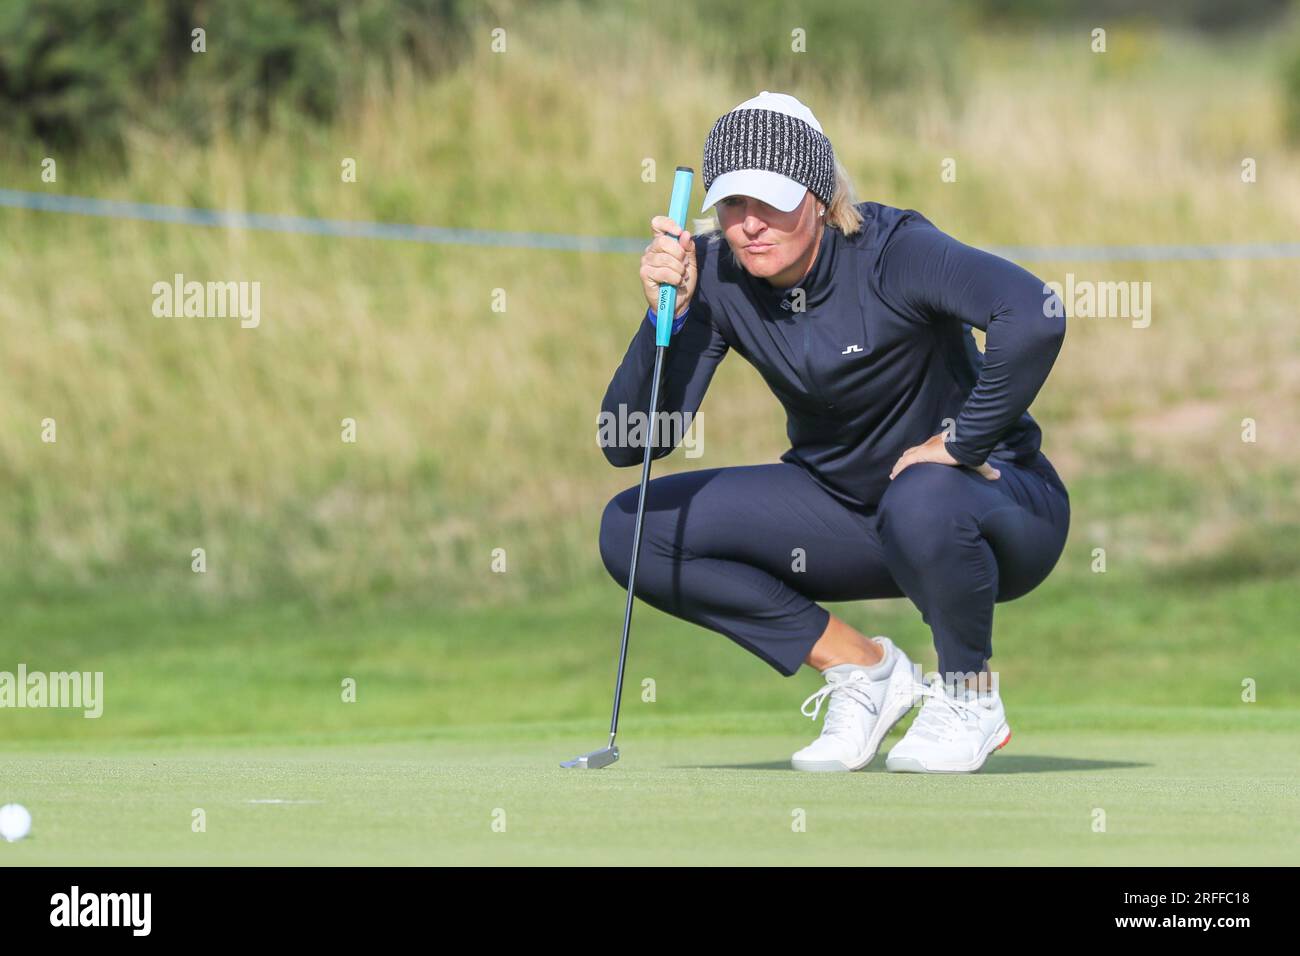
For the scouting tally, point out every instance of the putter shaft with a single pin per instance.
(608, 754)
(650, 445)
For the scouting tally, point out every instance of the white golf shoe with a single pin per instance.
(859, 713)
(950, 734)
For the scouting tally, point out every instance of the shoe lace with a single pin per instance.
(841, 695)
(942, 717)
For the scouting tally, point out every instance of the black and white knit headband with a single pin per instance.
(775, 142)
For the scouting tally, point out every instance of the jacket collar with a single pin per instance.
(817, 284)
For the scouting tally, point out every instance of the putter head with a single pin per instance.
(594, 760)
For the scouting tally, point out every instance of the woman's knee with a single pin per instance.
(1028, 549)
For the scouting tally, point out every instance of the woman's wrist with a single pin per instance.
(677, 322)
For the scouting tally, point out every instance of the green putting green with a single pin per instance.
(1133, 707)
(1201, 790)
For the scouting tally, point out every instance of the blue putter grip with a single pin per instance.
(683, 179)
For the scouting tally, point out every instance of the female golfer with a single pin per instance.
(914, 468)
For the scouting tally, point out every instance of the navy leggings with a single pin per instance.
(719, 549)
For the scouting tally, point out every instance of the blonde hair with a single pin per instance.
(843, 213)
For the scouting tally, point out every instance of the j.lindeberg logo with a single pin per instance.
(852, 348)
(102, 909)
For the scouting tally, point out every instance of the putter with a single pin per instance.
(666, 312)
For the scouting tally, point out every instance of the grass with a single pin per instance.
(372, 561)
(1196, 794)
(1123, 639)
(475, 427)
(1124, 692)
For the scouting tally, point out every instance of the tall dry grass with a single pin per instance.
(477, 428)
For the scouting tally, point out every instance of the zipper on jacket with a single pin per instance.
(807, 365)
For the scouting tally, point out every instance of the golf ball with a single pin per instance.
(15, 821)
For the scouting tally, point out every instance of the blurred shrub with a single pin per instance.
(67, 68)
(1291, 89)
(1209, 15)
(73, 71)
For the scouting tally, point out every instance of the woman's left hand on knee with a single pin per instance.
(935, 450)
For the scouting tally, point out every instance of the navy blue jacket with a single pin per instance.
(881, 356)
